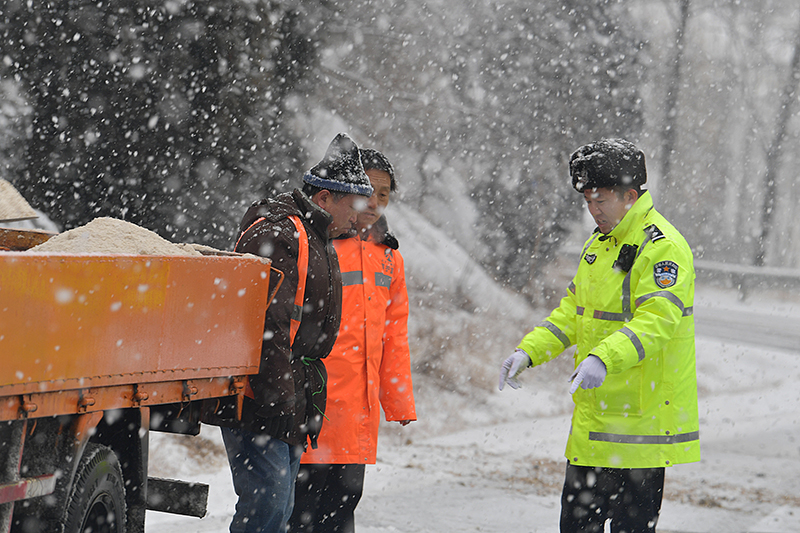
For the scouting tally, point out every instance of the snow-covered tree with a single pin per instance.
(486, 101)
(735, 78)
(165, 113)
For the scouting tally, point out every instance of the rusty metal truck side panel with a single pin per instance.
(82, 322)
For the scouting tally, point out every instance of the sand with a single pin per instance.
(12, 205)
(112, 236)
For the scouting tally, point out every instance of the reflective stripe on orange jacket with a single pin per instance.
(370, 364)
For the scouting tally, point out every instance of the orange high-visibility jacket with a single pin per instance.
(369, 365)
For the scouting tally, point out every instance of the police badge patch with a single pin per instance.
(665, 274)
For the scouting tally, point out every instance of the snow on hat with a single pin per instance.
(341, 169)
(607, 163)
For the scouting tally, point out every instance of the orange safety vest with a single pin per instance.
(302, 274)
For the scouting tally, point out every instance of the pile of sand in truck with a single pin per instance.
(112, 236)
(12, 205)
(102, 236)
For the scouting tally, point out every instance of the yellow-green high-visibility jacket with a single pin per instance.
(640, 324)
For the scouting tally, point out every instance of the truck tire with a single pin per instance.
(97, 501)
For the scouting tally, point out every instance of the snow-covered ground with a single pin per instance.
(503, 472)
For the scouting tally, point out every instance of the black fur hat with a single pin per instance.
(607, 163)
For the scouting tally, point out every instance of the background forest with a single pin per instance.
(176, 114)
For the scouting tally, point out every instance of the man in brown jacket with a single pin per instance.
(284, 409)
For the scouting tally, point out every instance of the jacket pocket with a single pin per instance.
(316, 397)
(621, 394)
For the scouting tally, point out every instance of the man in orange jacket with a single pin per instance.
(369, 366)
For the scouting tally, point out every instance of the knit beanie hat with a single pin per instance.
(341, 169)
(607, 163)
(374, 159)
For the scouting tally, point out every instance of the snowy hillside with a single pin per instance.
(462, 324)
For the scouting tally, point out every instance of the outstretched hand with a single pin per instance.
(590, 374)
(513, 367)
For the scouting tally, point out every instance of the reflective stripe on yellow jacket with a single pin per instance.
(369, 365)
(640, 324)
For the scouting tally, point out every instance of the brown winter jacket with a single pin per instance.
(291, 381)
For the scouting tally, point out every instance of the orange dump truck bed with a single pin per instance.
(80, 333)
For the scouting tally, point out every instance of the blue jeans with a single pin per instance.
(264, 470)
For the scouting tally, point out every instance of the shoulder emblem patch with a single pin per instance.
(655, 233)
(665, 274)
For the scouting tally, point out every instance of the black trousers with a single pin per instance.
(629, 497)
(325, 498)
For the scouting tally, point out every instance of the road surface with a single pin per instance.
(505, 472)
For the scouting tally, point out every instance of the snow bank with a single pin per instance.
(462, 325)
(434, 261)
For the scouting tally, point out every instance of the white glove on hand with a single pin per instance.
(513, 367)
(589, 374)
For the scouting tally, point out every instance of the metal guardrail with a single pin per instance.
(746, 278)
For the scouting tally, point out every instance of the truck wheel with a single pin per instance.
(97, 502)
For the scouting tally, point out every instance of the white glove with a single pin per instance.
(589, 374)
(513, 367)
